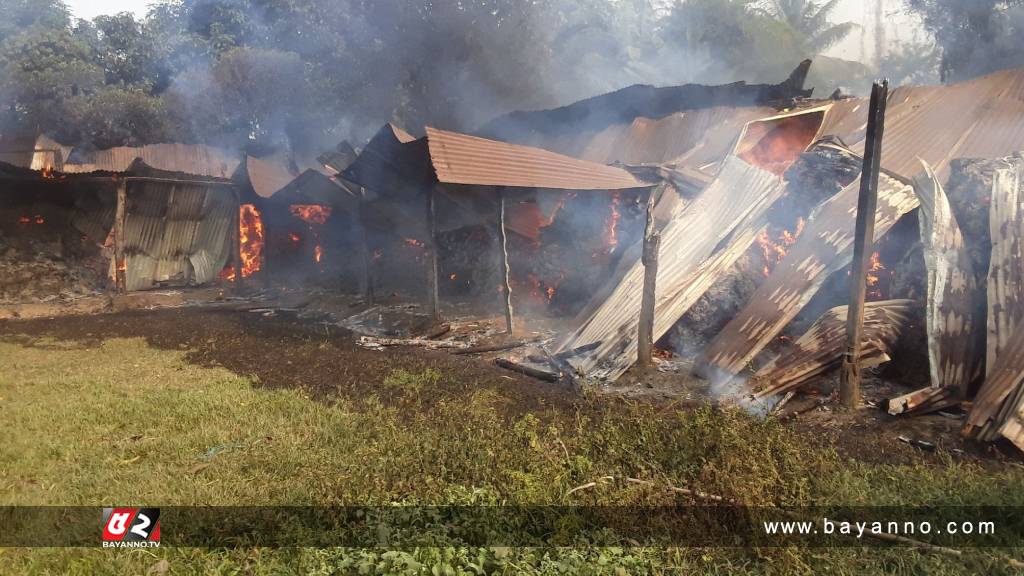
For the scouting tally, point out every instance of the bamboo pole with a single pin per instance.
(433, 299)
(867, 202)
(120, 263)
(503, 267)
(649, 258)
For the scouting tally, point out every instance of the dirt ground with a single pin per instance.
(277, 349)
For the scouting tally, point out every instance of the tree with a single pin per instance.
(41, 72)
(975, 36)
(809, 21)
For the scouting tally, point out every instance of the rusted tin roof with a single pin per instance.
(194, 159)
(979, 118)
(463, 159)
(267, 176)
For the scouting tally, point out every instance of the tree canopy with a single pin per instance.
(307, 73)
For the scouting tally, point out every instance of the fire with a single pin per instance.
(311, 213)
(412, 242)
(775, 250)
(250, 228)
(294, 238)
(875, 267)
(611, 225)
(453, 277)
(48, 173)
(37, 219)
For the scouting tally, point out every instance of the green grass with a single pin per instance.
(128, 424)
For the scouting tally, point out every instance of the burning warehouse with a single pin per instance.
(716, 223)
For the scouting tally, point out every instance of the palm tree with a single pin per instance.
(809, 20)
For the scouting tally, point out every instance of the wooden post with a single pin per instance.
(433, 300)
(366, 276)
(503, 267)
(867, 202)
(120, 263)
(236, 242)
(652, 243)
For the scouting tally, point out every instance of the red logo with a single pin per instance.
(131, 527)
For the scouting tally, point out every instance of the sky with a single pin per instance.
(90, 9)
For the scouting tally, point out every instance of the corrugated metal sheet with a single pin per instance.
(980, 118)
(40, 153)
(701, 242)
(820, 350)
(952, 290)
(313, 187)
(391, 165)
(623, 106)
(267, 176)
(825, 246)
(462, 159)
(695, 138)
(176, 233)
(193, 159)
(1004, 380)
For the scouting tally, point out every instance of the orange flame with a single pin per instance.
(611, 225)
(775, 250)
(311, 213)
(24, 220)
(250, 228)
(412, 242)
(314, 215)
(876, 266)
(294, 237)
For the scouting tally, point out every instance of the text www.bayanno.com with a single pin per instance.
(877, 528)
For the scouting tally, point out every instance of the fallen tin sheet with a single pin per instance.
(952, 289)
(697, 246)
(1006, 268)
(997, 406)
(825, 247)
(820, 350)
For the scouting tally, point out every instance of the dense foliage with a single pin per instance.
(307, 73)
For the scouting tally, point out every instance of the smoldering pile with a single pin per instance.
(37, 270)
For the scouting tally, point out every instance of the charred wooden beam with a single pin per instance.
(820, 350)
(867, 205)
(503, 267)
(952, 290)
(649, 259)
(120, 263)
(527, 370)
(433, 298)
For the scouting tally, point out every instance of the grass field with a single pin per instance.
(125, 423)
